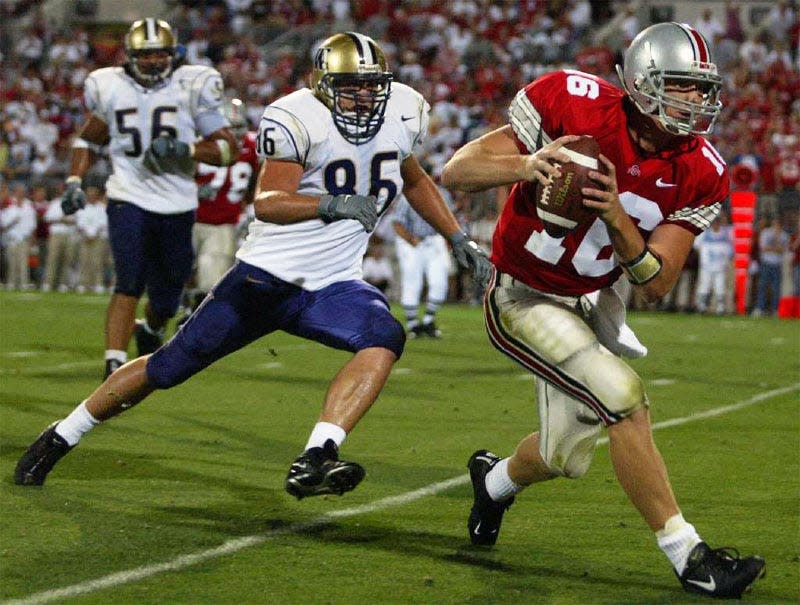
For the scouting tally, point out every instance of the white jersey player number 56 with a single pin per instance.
(586, 258)
(163, 123)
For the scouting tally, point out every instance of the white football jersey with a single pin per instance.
(186, 106)
(299, 128)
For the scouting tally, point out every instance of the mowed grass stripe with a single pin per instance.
(239, 544)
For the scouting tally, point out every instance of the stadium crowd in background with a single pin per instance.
(466, 57)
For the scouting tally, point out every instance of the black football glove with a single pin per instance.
(168, 154)
(362, 208)
(471, 256)
(74, 198)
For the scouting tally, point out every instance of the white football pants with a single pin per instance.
(214, 248)
(580, 383)
(428, 261)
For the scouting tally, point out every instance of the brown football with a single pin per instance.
(560, 203)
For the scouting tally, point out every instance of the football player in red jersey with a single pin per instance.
(551, 305)
(223, 194)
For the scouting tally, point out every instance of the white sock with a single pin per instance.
(121, 356)
(73, 427)
(324, 431)
(498, 484)
(677, 539)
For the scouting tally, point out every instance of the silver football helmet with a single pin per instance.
(351, 79)
(236, 112)
(672, 54)
(154, 39)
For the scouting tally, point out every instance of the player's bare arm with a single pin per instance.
(94, 132)
(220, 148)
(425, 198)
(669, 244)
(494, 159)
(276, 199)
(403, 233)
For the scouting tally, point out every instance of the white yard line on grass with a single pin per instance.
(47, 369)
(39, 369)
(233, 546)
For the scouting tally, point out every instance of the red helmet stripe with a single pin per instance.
(700, 44)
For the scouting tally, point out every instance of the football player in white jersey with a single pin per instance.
(157, 119)
(336, 156)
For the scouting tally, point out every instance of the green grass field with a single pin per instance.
(181, 500)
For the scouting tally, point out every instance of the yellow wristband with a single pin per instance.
(643, 268)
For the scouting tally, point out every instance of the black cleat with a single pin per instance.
(112, 365)
(146, 341)
(431, 330)
(318, 471)
(416, 332)
(486, 515)
(720, 573)
(41, 457)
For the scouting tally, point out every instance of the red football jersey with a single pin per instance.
(222, 188)
(685, 188)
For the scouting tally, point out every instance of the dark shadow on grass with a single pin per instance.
(457, 550)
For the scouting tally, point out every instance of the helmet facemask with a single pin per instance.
(669, 58)
(692, 118)
(351, 79)
(358, 103)
(151, 40)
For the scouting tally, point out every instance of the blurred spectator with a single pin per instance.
(681, 298)
(630, 24)
(29, 48)
(710, 27)
(597, 60)
(779, 20)
(61, 248)
(772, 244)
(18, 223)
(715, 257)
(787, 169)
(753, 52)
(91, 223)
(745, 167)
(794, 248)
(38, 253)
(733, 22)
(239, 11)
